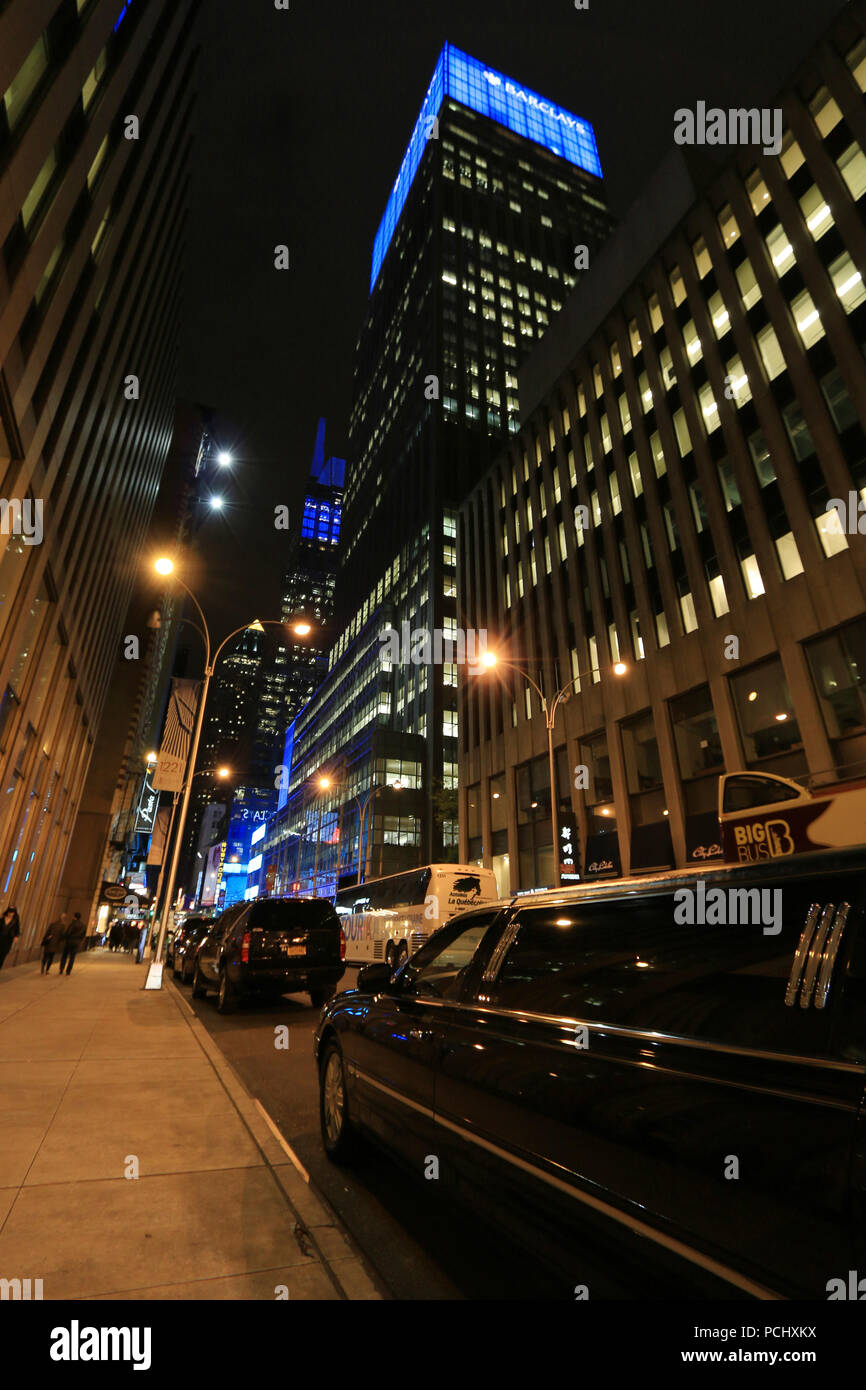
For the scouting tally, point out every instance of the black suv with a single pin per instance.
(673, 1070)
(272, 947)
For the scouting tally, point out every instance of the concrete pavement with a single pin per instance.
(134, 1164)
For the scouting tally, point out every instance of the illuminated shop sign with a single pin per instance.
(491, 94)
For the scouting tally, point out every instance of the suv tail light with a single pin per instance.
(245, 948)
(342, 944)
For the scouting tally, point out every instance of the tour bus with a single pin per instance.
(387, 918)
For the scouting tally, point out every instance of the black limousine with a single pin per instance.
(671, 1071)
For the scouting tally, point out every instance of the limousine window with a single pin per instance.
(628, 962)
(439, 967)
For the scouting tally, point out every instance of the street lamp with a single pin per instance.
(489, 660)
(224, 458)
(165, 566)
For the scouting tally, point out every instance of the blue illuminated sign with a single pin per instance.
(492, 94)
(122, 16)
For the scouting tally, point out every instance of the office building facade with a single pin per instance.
(686, 425)
(96, 101)
(496, 207)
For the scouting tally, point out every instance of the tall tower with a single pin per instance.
(496, 208)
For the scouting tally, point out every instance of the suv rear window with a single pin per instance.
(282, 915)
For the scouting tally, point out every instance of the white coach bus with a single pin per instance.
(388, 918)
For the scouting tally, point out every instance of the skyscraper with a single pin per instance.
(299, 667)
(497, 207)
(95, 108)
(692, 429)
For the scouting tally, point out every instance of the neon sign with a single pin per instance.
(492, 94)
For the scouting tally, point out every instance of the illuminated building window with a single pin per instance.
(819, 218)
(847, 282)
(771, 352)
(825, 112)
(789, 556)
(807, 319)
(728, 226)
(758, 192)
(780, 249)
(749, 287)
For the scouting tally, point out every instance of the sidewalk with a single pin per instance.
(96, 1073)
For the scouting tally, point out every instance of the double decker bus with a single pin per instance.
(388, 918)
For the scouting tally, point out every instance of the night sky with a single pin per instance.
(303, 119)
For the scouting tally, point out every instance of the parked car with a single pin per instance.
(617, 1063)
(180, 955)
(271, 947)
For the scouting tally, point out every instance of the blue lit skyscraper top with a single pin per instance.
(491, 94)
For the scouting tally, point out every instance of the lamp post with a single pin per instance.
(363, 807)
(166, 567)
(549, 709)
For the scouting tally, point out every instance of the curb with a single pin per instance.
(317, 1229)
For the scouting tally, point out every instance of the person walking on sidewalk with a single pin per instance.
(115, 936)
(54, 938)
(75, 934)
(10, 928)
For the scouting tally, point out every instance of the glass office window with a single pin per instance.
(17, 96)
(847, 282)
(765, 711)
(838, 666)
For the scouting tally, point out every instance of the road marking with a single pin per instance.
(287, 1148)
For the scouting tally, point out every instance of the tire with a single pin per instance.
(339, 1136)
(226, 996)
(199, 989)
(319, 995)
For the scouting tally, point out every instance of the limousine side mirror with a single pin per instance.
(373, 979)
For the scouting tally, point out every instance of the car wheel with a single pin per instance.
(199, 989)
(225, 995)
(339, 1136)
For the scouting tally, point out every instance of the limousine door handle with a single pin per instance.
(421, 1034)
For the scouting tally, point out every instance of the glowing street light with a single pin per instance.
(164, 565)
(216, 504)
(224, 772)
(224, 459)
(302, 629)
(151, 758)
(490, 659)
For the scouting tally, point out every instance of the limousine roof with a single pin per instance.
(755, 875)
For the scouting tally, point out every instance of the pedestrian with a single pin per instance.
(130, 936)
(10, 928)
(115, 936)
(55, 936)
(75, 934)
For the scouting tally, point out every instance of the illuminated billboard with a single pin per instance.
(491, 94)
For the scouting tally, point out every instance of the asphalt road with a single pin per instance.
(420, 1245)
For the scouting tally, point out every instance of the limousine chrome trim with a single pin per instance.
(637, 1227)
(816, 952)
(500, 950)
(800, 954)
(830, 954)
(645, 1035)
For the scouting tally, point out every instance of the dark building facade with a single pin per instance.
(686, 424)
(96, 102)
(299, 667)
(479, 244)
